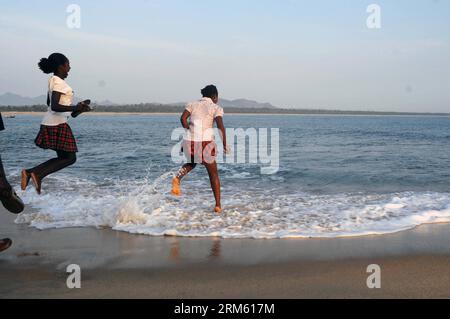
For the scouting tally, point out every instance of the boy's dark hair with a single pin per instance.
(210, 91)
(51, 64)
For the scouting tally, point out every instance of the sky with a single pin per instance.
(292, 53)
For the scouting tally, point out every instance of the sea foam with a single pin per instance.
(146, 207)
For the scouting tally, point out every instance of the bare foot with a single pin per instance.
(11, 201)
(176, 190)
(218, 209)
(5, 244)
(36, 182)
(25, 180)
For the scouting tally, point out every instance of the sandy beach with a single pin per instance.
(414, 264)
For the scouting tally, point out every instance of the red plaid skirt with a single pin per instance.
(200, 152)
(57, 138)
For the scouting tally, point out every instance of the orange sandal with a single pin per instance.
(25, 180)
(36, 182)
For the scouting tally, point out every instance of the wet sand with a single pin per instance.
(414, 264)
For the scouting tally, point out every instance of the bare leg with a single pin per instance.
(4, 185)
(177, 179)
(215, 184)
(185, 170)
(38, 173)
(63, 160)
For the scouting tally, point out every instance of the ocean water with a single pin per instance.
(339, 176)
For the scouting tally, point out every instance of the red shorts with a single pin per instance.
(200, 152)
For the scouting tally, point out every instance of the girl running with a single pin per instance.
(55, 133)
(199, 146)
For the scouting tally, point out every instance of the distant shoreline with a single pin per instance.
(305, 113)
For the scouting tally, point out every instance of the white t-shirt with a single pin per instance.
(203, 113)
(51, 118)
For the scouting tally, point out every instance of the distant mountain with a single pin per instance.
(11, 99)
(104, 103)
(245, 104)
(239, 103)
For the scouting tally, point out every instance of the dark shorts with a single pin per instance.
(57, 138)
(200, 152)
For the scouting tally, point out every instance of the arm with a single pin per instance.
(56, 107)
(221, 127)
(184, 119)
(86, 108)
